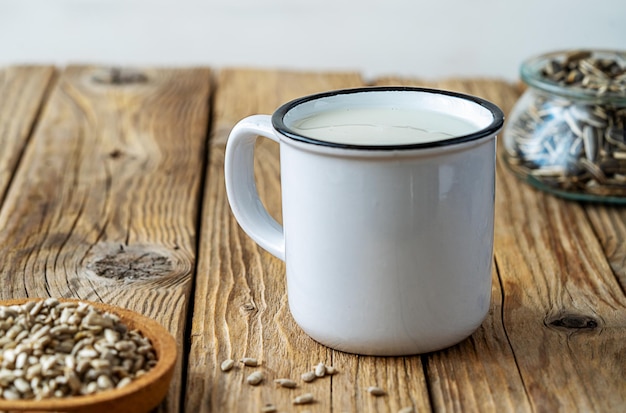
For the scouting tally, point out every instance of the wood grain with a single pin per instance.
(609, 224)
(564, 311)
(23, 90)
(104, 204)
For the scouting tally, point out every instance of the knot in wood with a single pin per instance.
(131, 263)
(119, 76)
(573, 322)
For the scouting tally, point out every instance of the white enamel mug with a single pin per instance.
(388, 247)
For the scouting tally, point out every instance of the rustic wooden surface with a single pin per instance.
(113, 191)
(104, 203)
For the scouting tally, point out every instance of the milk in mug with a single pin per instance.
(382, 126)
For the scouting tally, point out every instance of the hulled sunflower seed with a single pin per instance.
(308, 377)
(305, 398)
(11, 394)
(255, 378)
(376, 391)
(227, 365)
(104, 382)
(290, 384)
(124, 382)
(320, 370)
(250, 362)
(21, 385)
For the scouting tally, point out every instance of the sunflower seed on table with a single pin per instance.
(227, 365)
(308, 377)
(320, 370)
(376, 391)
(250, 362)
(305, 398)
(288, 383)
(255, 378)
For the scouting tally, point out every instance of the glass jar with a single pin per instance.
(567, 133)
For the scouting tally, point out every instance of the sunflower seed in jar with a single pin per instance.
(565, 138)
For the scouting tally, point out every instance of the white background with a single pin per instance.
(427, 39)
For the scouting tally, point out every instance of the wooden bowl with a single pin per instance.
(141, 395)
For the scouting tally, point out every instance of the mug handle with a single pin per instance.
(241, 189)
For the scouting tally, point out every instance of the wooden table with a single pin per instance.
(112, 190)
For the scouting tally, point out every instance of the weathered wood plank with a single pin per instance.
(609, 223)
(565, 313)
(241, 304)
(22, 94)
(104, 203)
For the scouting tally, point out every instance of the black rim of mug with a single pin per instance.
(493, 128)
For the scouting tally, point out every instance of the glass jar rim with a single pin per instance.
(531, 74)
